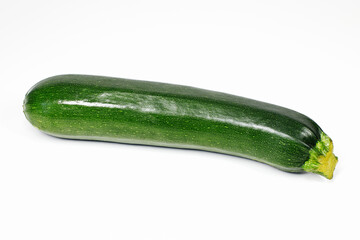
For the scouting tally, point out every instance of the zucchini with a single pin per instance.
(151, 113)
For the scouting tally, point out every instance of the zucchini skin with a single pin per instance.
(151, 113)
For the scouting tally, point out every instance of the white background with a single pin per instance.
(304, 55)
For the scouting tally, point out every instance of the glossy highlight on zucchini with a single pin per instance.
(151, 113)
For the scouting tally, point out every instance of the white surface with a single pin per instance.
(304, 55)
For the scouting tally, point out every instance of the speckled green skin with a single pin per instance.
(142, 112)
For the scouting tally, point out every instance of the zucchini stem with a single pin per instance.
(322, 159)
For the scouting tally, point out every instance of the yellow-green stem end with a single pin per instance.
(322, 159)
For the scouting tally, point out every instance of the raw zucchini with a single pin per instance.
(151, 113)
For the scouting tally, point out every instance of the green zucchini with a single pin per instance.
(151, 113)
